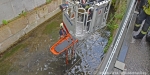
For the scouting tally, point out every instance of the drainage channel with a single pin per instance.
(34, 58)
(89, 54)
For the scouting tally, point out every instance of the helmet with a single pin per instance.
(61, 24)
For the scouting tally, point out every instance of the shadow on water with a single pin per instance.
(36, 59)
(89, 54)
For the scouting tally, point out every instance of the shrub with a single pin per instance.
(48, 1)
(5, 22)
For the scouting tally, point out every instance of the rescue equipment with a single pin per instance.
(80, 19)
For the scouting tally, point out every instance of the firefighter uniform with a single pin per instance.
(144, 15)
(141, 3)
(62, 32)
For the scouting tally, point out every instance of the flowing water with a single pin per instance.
(36, 59)
(90, 54)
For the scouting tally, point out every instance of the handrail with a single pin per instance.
(118, 37)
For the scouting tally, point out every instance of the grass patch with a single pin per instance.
(23, 13)
(119, 16)
(4, 67)
(114, 21)
(5, 22)
(52, 28)
(48, 1)
(11, 52)
(112, 26)
(108, 44)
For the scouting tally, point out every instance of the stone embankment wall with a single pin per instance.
(12, 8)
(15, 29)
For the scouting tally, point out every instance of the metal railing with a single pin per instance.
(118, 37)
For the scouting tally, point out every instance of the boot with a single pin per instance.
(136, 27)
(139, 36)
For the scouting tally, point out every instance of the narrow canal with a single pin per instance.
(31, 55)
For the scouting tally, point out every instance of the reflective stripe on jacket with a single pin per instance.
(146, 7)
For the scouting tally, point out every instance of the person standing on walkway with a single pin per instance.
(140, 5)
(144, 15)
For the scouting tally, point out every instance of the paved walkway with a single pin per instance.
(138, 57)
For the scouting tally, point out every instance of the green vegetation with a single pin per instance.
(108, 44)
(48, 1)
(11, 52)
(112, 26)
(5, 22)
(115, 20)
(119, 16)
(6, 65)
(23, 13)
(6, 60)
(113, 2)
(53, 28)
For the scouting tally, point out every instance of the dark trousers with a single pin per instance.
(140, 18)
(142, 3)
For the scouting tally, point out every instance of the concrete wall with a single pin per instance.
(11, 32)
(12, 8)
